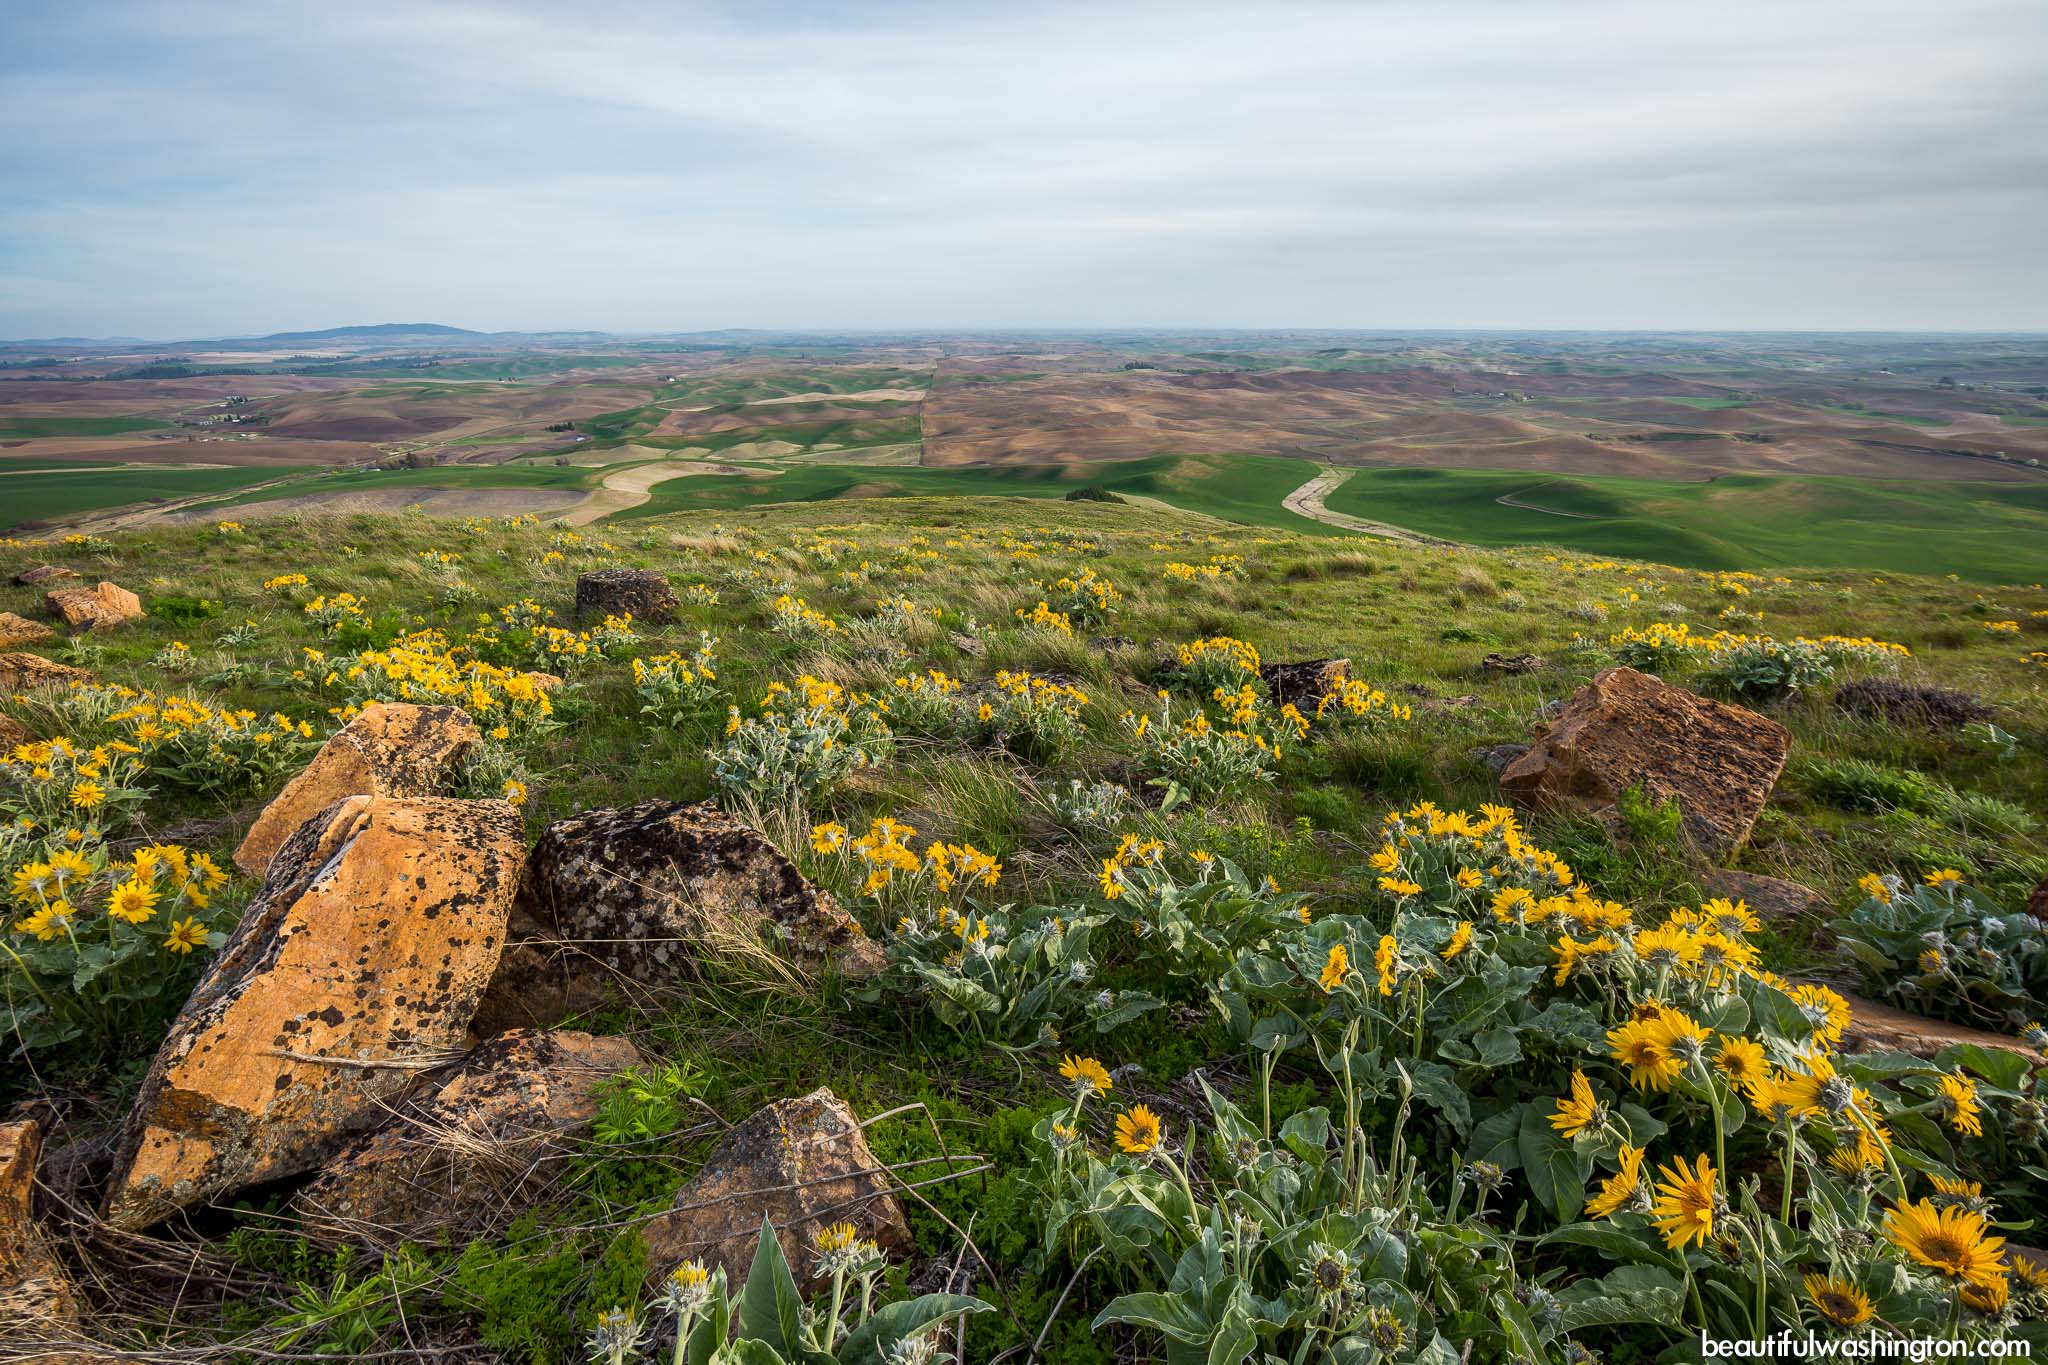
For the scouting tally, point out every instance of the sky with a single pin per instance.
(174, 170)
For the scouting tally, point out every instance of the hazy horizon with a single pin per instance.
(1105, 330)
(198, 170)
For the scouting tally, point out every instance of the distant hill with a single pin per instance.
(381, 329)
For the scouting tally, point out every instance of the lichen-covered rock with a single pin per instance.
(1774, 899)
(1626, 729)
(642, 594)
(22, 672)
(1902, 703)
(462, 1154)
(1304, 684)
(43, 573)
(618, 901)
(390, 749)
(2037, 904)
(34, 1290)
(1512, 663)
(19, 630)
(804, 1165)
(360, 961)
(108, 604)
(12, 733)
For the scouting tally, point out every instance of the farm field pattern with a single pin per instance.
(1899, 453)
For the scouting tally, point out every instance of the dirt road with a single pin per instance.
(629, 488)
(1307, 501)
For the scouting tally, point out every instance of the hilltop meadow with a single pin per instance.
(1201, 1016)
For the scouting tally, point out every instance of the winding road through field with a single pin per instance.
(1308, 501)
(628, 488)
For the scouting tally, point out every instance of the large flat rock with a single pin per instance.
(1626, 730)
(358, 964)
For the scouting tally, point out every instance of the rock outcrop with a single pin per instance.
(1773, 898)
(390, 749)
(1626, 730)
(23, 672)
(358, 964)
(35, 1292)
(642, 594)
(19, 630)
(108, 604)
(460, 1155)
(803, 1164)
(1875, 1027)
(1899, 703)
(1303, 684)
(619, 901)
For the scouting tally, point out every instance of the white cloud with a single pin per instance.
(191, 168)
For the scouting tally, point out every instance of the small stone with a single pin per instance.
(1499, 756)
(42, 573)
(1305, 683)
(19, 630)
(389, 749)
(1512, 663)
(108, 604)
(358, 964)
(804, 1165)
(1626, 730)
(640, 593)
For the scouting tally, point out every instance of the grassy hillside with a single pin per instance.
(1260, 870)
(1243, 489)
(17, 428)
(1986, 532)
(48, 494)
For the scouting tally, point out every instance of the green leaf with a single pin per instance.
(1627, 1294)
(1643, 1127)
(748, 1351)
(1435, 1084)
(771, 1309)
(1498, 1046)
(1779, 1014)
(2002, 1068)
(1494, 1140)
(1129, 1005)
(1307, 1134)
(1565, 1022)
(1615, 1241)
(1556, 1173)
(872, 1341)
(1171, 1314)
(1235, 1339)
